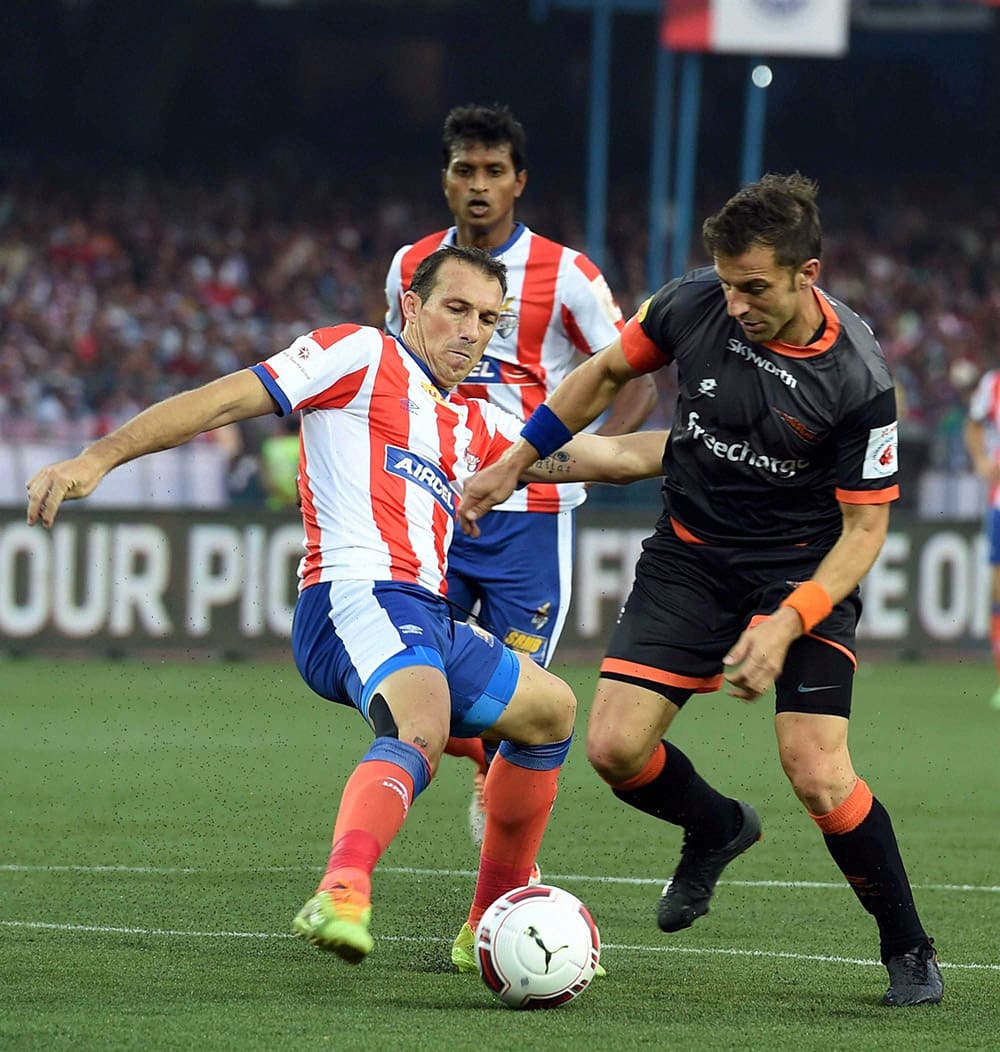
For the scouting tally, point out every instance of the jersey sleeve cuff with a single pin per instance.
(266, 377)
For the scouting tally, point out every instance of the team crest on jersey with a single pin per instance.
(472, 462)
(797, 426)
(428, 476)
(507, 322)
(882, 454)
(707, 387)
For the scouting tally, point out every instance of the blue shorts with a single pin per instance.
(993, 535)
(516, 577)
(347, 636)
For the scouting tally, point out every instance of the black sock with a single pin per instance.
(678, 794)
(868, 856)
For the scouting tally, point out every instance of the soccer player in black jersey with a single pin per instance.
(778, 476)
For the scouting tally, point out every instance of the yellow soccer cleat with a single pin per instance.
(463, 951)
(336, 920)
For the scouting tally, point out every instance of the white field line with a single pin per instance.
(697, 951)
(465, 873)
(569, 878)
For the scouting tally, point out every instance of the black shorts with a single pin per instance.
(690, 603)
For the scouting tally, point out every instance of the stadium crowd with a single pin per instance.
(119, 288)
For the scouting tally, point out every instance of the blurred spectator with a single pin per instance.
(982, 437)
(118, 288)
(279, 463)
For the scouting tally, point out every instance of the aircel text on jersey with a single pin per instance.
(410, 466)
(766, 364)
(741, 453)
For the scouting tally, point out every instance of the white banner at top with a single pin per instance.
(757, 27)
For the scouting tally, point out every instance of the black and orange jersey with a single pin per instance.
(767, 438)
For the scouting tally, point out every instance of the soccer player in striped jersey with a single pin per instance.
(557, 312)
(778, 477)
(386, 446)
(982, 439)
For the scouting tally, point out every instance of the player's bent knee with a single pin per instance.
(557, 715)
(615, 756)
(539, 716)
(818, 781)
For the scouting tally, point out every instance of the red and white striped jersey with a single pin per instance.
(383, 457)
(984, 408)
(558, 307)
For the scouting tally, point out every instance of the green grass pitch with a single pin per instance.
(162, 823)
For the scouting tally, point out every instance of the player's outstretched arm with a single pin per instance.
(169, 423)
(579, 399)
(598, 458)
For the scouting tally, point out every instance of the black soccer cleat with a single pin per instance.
(914, 978)
(688, 892)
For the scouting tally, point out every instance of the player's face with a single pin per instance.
(770, 301)
(481, 186)
(450, 329)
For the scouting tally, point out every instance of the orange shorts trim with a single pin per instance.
(849, 814)
(757, 618)
(684, 533)
(699, 684)
(836, 646)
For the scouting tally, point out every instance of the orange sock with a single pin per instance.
(470, 747)
(848, 814)
(518, 803)
(372, 810)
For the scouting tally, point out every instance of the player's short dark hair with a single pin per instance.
(425, 276)
(779, 211)
(493, 125)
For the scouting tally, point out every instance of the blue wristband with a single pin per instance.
(545, 431)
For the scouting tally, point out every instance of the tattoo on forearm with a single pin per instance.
(557, 463)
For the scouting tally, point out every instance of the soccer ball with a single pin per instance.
(537, 947)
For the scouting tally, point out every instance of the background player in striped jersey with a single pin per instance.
(778, 476)
(386, 445)
(558, 310)
(982, 439)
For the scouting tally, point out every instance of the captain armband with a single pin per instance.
(811, 601)
(545, 431)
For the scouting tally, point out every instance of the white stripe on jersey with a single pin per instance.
(984, 408)
(558, 307)
(385, 454)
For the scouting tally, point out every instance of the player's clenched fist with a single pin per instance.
(66, 480)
